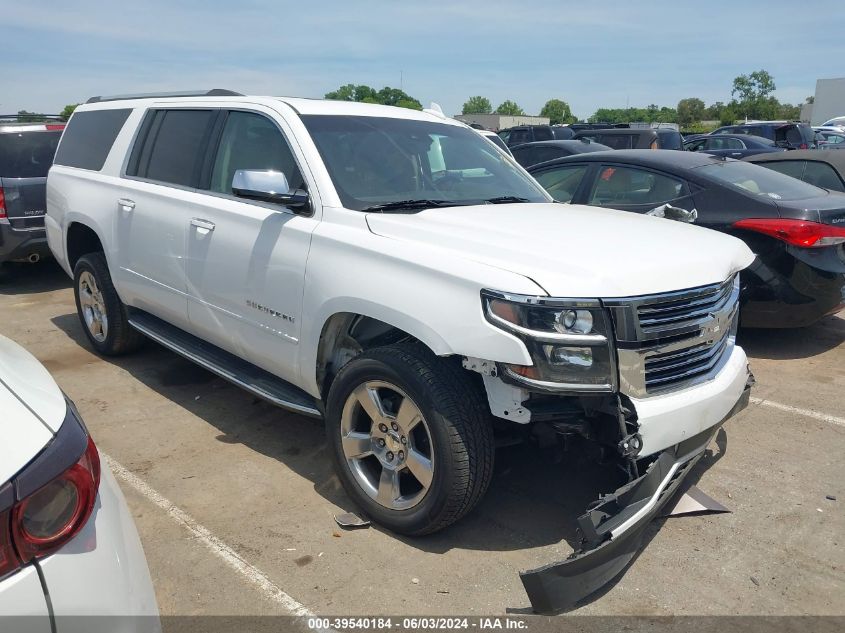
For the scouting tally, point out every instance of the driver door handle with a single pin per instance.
(202, 224)
(126, 204)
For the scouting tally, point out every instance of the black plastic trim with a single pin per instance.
(61, 453)
(562, 585)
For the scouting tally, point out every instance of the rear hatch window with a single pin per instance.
(27, 154)
(760, 182)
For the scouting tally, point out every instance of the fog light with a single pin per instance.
(577, 356)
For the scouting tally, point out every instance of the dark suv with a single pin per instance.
(635, 138)
(531, 133)
(26, 153)
(786, 134)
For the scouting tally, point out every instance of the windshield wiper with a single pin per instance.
(413, 204)
(506, 200)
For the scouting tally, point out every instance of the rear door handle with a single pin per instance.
(202, 224)
(126, 204)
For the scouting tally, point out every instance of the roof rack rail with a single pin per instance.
(214, 92)
(30, 115)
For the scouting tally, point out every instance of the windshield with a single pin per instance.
(27, 154)
(376, 161)
(759, 181)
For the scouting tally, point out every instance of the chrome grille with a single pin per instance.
(674, 340)
(667, 369)
(665, 316)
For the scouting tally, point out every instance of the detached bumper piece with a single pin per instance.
(614, 527)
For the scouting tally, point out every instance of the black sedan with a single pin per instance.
(529, 154)
(820, 167)
(797, 230)
(732, 145)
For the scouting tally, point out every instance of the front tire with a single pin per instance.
(411, 437)
(103, 315)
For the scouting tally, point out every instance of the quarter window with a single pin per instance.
(88, 138)
(627, 186)
(252, 141)
(562, 182)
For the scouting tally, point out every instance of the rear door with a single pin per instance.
(631, 188)
(155, 210)
(26, 153)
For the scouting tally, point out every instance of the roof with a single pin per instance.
(7, 127)
(301, 105)
(833, 157)
(657, 159)
(621, 131)
(581, 145)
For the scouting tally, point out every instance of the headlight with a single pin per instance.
(568, 340)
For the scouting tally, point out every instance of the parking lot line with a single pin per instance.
(824, 417)
(252, 574)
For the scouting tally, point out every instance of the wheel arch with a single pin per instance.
(343, 334)
(80, 240)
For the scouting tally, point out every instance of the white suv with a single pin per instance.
(394, 273)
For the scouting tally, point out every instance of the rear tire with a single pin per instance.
(435, 458)
(103, 315)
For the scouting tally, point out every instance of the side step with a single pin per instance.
(236, 370)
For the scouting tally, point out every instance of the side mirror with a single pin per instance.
(268, 186)
(674, 213)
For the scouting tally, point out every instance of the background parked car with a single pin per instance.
(838, 121)
(797, 230)
(635, 138)
(26, 153)
(529, 133)
(786, 134)
(831, 139)
(731, 145)
(534, 153)
(68, 544)
(496, 140)
(822, 168)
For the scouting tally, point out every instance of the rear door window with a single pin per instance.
(174, 146)
(89, 136)
(27, 154)
(524, 155)
(562, 182)
(543, 134)
(632, 186)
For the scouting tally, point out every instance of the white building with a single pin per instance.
(498, 122)
(829, 101)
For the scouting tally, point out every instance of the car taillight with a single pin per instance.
(2, 204)
(47, 518)
(54, 514)
(803, 146)
(796, 232)
(653, 144)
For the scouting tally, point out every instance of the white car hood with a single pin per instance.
(32, 408)
(574, 250)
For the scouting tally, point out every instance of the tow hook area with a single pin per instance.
(612, 528)
(612, 531)
(630, 446)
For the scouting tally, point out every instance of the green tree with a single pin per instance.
(690, 111)
(366, 94)
(24, 116)
(509, 108)
(751, 95)
(477, 105)
(727, 115)
(558, 112)
(67, 111)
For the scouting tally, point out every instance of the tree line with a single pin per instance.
(751, 97)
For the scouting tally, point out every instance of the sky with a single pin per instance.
(591, 55)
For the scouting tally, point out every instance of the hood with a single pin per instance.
(32, 405)
(574, 250)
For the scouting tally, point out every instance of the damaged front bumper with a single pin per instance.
(613, 529)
